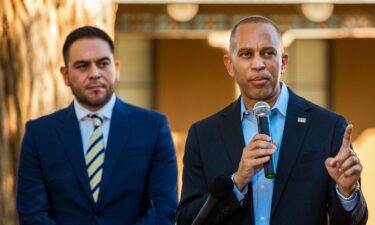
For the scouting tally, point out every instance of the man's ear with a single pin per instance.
(117, 70)
(64, 72)
(228, 64)
(284, 62)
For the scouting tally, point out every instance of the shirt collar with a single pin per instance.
(281, 104)
(106, 110)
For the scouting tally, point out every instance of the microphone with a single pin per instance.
(262, 112)
(219, 189)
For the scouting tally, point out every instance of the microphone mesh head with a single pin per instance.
(262, 109)
(221, 187)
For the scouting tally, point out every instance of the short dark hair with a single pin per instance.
(85, 32)
(252, 19)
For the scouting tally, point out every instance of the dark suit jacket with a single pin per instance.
(139, 183)
(303, 192)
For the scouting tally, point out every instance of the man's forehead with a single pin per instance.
(262, 34)
(90, 44)
(89, 49)
(261, 29)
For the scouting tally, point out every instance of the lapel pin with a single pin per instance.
(301, 120)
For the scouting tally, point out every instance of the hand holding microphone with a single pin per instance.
(258, 153)
(262, 112)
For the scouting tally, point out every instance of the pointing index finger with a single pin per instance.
(347, 139)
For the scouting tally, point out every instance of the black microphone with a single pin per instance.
(219, 189)
(262, 112)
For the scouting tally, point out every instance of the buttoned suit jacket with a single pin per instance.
(304, 193)
(139, 182)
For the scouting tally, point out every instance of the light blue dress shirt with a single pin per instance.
(263, 187)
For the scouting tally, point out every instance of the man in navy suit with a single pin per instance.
(317, 171)
(100, 160)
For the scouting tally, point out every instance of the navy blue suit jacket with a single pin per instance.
(304, 193)
(139, 183)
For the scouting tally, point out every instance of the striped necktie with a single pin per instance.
(95, 155)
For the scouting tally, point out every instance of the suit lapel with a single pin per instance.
(231, 131)
(232, 136)
(120, 129)
(293, 136)
(70, 136)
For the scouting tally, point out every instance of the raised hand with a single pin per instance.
(345, 168)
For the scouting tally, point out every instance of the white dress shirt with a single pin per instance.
(87, 127)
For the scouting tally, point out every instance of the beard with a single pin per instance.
(96, 100)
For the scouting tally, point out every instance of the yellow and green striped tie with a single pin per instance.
(95, 155)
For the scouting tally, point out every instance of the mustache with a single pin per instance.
(94, 84)
(260, 76)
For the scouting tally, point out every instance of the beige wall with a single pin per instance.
(353, 81)
(191, 83)
(135, 55)
(307, 72)
(353, 95)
